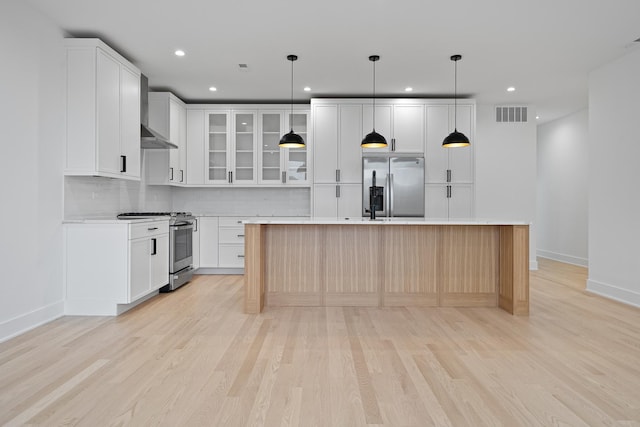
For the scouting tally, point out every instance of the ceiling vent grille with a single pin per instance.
(511, 114)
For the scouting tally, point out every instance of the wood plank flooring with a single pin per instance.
(192, 358)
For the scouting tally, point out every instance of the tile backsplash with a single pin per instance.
(255, 201)
(90, 197)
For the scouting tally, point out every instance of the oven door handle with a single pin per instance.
(182, 226)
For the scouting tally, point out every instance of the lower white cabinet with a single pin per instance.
(449, 201)
(231, 247)
(112, 265)
(208, 246)
(337, 200)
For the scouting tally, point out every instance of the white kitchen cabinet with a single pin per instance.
(112, 265)
(402, 124)
(337, 200)
(195, 158)
(103, 111)
(279, 166)
(232, 154)
(231, 238)
(337, 137)
(451, 165)
(168, 116)
(208, 227)
(449, 201)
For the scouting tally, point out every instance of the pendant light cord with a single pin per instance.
(455, 95)
(374, 95)
(291, 118)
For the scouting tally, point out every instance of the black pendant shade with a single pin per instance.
(374, 139)
(455, 138)
(291, 139)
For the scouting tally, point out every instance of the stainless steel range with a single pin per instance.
(181, 226)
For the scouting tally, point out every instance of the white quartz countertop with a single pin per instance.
(383, 221)
(113, 220)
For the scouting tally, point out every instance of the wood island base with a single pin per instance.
(389, 264)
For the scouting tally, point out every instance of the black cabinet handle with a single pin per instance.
(181, 175)
(393, 144)
(337, 191)
(284, 177)
(448, 191)
(154, 251)
(240, 235)
(195, 228)
(171, 174)
(240, 256)
(448, 175)
(124, 163)
(152, 228)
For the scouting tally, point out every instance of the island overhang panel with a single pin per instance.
(387, 263)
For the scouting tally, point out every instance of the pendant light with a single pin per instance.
(374, 139)
(455, 138)
(291, 139)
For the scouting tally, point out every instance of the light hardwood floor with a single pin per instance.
(193, 358)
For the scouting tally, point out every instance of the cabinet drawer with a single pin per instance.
(231, 256)
(231, 221)
(147, 229)
(232, 235)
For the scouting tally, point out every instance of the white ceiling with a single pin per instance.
(544, 48)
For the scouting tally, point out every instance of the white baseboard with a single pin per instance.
(533, 264)
(19, 325)
(612, 292)
(569, 259)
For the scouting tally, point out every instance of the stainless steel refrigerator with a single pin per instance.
(402, 180)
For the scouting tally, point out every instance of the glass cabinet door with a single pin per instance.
(218, 148)
(270, 153)
(296, 163)
(244, 154)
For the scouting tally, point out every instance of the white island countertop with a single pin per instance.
(381, 221)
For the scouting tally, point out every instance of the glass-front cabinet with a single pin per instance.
(242, 147)
(282, 165)
(296, 161)
(231, 147)
(218, 148)
(244, 143)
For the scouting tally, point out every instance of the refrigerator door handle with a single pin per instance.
(390, 211)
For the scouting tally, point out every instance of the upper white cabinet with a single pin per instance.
(451, 165)
(168, 116)
(103, 111)
(336, 140)
(282, 165)
(401, 123)
(235, 146)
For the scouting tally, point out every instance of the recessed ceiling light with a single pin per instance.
(213, 89)
(179, 52)
(537, 117)
(408, 89)
(511, 89)
(244, 123)
(307, 89)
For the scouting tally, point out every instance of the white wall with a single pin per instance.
(563, 154)
(31, 119)
(614, 179)
(506, 171)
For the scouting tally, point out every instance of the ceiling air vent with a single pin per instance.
(511, 114)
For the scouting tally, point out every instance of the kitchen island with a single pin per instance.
(397, 262)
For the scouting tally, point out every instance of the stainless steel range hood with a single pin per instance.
(149, 138)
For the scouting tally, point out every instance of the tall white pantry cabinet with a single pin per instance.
(415, 126)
